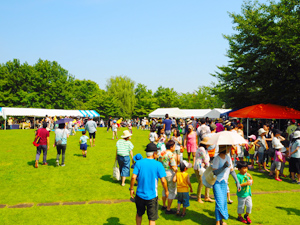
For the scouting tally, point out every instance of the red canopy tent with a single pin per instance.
(266, 111)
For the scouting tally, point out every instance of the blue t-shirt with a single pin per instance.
(295, 145)
(168, 124)
(148, 171)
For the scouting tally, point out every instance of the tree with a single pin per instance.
(145, 101)
(264, 62)
(122, 88)
(166, 97)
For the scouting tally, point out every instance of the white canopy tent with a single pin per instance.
(173, 112)
(35, 112)
(196, 113)
(215, 113)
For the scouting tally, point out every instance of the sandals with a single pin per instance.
(178, 213)
(183, 215)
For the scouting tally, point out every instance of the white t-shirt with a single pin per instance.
(218, 162)
(153, 136)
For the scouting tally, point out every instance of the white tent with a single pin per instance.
(34, 112)
(215, 113)
(173, 112)
(196, 113)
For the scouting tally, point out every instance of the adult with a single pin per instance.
(211, 149)
(222, 167)
(295, 157)
(109, 124)
(291, 128)
(262, 146)
(10, 122)
(167, 158)
(167, 123)
(124, 149)
(201, 162)
(178, 143)
(190, 143)
(91, 127)
(43, 133)
(60, 141)
(147, 172)
(219, 125)
(269, 137)
(202, 130)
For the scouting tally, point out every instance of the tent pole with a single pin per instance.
(33, 122)
(5, 124)
(247, 127)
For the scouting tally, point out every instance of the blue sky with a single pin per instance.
(172, 43)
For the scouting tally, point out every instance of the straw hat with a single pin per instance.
(204, 140)
(126, 134)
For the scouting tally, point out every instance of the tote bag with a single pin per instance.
(116, 171)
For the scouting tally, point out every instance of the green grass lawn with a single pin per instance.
(89, 179)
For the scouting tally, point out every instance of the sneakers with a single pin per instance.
(278, 179)
(36, 164)
(163, 207)
(241, 219)
(45, 164)
(294, 181)
(247, 218)
(171, 211)
(62, 165)
(57, 163)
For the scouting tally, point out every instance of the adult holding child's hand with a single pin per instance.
(124, 149)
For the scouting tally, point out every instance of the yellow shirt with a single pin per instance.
(182, 184)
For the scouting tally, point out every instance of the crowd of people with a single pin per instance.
(266, 150)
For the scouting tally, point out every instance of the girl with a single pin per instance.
(278, 160)
(251, 147)
(262, 146)
(161, 139)
(114, 128)
(153, 136)
(190, 143)
(178, 142)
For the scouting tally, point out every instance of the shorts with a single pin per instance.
(183, 198)
(277, 165)
(151, 205)
(251, 156)
(168, 133)
(261, 158)
(295, 165)
(171, 185)
(242, 202)
(83, 146)
(92, 135)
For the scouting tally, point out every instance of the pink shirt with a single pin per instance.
(277, 156)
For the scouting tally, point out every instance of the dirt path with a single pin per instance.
(29, 205)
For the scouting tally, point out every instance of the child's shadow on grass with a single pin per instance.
(113, 220)
(51, 162)
(79, 155)
(290, 211)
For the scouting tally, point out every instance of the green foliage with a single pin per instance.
(122, 88)
(166, 97)
(264, 63)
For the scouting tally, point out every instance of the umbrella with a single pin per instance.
(226, 138)
(65, 120)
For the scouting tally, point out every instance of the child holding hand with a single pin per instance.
(244, 195)
(183, 183)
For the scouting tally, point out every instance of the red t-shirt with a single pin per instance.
(43, 133)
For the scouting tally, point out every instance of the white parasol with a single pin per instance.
(226, 138)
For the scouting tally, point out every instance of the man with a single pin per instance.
(109, 123)
(146, 172)
(167, 123)
(91, 127)
(202, 130)
(43, 133)
(291, 129)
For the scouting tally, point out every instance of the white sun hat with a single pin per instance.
(126, 134)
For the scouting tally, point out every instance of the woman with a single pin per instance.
(295, 157)
(167, 158)
(61, 135)
(269, 137)
(124, 149)
(222, 166)
(178, 142)
(262, 147)
(201, 162)
(190, 143)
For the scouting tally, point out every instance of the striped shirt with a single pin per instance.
(124, 147)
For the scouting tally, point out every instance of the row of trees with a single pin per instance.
(47, 85)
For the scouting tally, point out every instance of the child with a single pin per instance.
(130, 126)
(161, 140)
(136, 158)
(244, 195)
(153, 136)
(114, 128)
(251, 147)
(83, 143)
(283, 151)
(183, 183)
(278, 160)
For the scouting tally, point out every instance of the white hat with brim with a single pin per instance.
(278, 146)
(187, 164)
(296, 134)
(261, 131)
(283, 150)
(126, 134)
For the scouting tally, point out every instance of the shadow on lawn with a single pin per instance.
(79, 155)
(51, 162)
(110, 179)
(290, 211)
(113, 220)
(191, 215)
